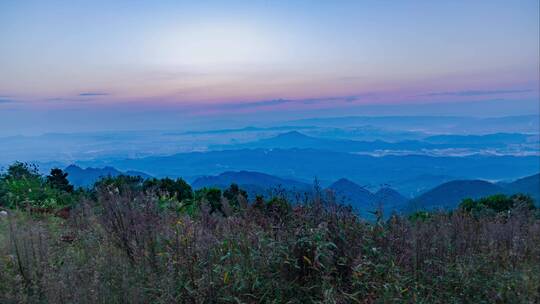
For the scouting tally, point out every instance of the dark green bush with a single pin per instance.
(497, 203)
(23, 187)
(177, 189)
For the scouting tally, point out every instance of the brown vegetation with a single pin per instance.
(121, 247)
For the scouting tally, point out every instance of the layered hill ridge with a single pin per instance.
(247, 178)
(365, 201)
(344, 191)
(350, 192)
(87, 177)
(295, 139)
(447, 195)
(304, 164)
(390, 197)
(528, 185)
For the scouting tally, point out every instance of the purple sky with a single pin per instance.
(82, 65)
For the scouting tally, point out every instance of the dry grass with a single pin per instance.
(120, 248)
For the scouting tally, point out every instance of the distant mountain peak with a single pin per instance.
(391, 198)
(450, 194)
(245, 178)
(292, 134)
(349, 188)
(88, 176)
(386, 190)
(345, 182)
(72, 167)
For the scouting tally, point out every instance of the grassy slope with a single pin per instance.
(116, 251)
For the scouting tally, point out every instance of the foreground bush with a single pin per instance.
(497, 203)
(23, 187)
(121, 247)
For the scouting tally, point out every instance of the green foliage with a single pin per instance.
(237, 197)
(120, 183)
(19, 170)
(57, 179)
(278, 206)
(497, 203)
(419, 216)
(210, 197)
(21, 190)
(22, 186)
(177, 189)
(171, 194)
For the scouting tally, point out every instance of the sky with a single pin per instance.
(94, 65)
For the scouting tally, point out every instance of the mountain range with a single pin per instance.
(449, 195)
(80, 177)
(475, 143)
(432, 124)
(446, 195)
(343, 190)
(401, 172)
(366, 202)
(247, 178)
(255, 183)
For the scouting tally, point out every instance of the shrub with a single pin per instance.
(120, 183)
(120, 246)
(177, 189)
(57, 179)
(497, 203)
(236, 197)
(23, 187)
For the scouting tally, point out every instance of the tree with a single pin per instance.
(21, 185)
(121, 183)
(259, 203)
(19, 170)
(235, 196)
(177, 189)
(278, 206)
(211, 196)
(497, 203)
(523, 200)
(57, 179)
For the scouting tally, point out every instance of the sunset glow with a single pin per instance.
(212, 57)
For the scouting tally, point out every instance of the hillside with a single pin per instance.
(528, 185)
(254, 183)
(247, 178)
(305, 164)
(348, 192)
(364, 201)
(295, 139)
(80, 177)
(344, 190)
(450, 194)
(390, 199)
